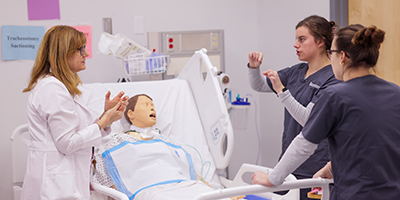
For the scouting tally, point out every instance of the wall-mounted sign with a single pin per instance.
(21, 42)
(43, 9)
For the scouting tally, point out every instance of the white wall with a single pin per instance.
(249, 25)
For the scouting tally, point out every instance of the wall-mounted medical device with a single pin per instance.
(180, 45)
(240, 109)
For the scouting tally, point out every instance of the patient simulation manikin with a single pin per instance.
(143, 165)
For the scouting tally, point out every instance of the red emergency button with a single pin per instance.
(171, 46)
(171, 40)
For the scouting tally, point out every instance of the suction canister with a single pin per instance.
(240, 109)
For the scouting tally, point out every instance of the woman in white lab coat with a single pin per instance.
(62, 129)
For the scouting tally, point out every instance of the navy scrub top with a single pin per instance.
(305, 91)
(361, 119)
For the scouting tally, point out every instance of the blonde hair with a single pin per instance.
(59, 43)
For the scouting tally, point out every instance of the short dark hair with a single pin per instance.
(132, 104)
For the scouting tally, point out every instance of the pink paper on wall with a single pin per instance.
(43, 9)
(87, 30)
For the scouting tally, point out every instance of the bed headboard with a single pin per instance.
(211, 106)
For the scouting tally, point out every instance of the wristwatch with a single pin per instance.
(283, 90)
(248, 65)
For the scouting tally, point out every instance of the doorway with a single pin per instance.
(383, 14)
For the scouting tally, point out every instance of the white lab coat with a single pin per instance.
(62, 135)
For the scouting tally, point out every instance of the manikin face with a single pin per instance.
(144, 115)
(306, 47)
(77, 62)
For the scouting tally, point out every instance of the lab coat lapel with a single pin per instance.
(80, 101)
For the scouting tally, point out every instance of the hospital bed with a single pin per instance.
(191, 111)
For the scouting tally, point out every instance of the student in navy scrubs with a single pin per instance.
(299, 86)
(361, 119)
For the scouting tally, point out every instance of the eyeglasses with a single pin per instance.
(330, 51)
(82, 50)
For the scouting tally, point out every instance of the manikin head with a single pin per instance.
(140, 111)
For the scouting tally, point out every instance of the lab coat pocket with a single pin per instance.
(60, 181)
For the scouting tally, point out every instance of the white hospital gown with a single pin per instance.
(183, 190)
(101, 175)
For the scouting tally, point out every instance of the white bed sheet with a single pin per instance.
(177, 116)
(177, 191)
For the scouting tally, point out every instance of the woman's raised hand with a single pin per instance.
(113, 109)
(108, 104)
(255, 59)
(275, 80)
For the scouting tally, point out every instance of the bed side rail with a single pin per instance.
(255, 189)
